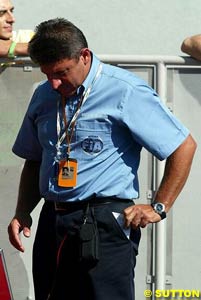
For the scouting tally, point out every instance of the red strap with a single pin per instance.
(4, 286)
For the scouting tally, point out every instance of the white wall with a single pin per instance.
(120, 27)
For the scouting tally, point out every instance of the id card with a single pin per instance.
(67, 176)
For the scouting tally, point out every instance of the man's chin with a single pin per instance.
(6, 38)
(66, 93)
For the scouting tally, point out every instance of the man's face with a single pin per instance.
(67, 75)
(6, 19)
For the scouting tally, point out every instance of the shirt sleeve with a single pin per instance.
(151, 123)
(27, 144)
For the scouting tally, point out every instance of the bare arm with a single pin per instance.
(192, 46)
(28, 198)
(20, 49)
(176, 172)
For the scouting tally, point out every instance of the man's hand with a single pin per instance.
(19, 223)
(28, 198)
(140, 215)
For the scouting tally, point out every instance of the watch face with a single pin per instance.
(159, 207)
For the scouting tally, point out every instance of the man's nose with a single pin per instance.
(10, 17)
(55, 83)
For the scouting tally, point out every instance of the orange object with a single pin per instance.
(67, 173)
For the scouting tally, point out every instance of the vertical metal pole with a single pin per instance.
(160, 228)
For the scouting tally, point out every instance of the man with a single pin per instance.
(93, 119)
(7, 46)
(192, 46)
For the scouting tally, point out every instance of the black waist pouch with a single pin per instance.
(89, 239)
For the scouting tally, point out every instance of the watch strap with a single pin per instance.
(163, 215)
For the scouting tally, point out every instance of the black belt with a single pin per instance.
(92, 202)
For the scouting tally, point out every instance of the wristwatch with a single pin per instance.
(159, 208)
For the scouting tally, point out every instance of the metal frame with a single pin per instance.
(160, 64)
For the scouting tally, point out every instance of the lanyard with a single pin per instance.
(70, 127)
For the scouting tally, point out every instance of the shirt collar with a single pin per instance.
(95, 62)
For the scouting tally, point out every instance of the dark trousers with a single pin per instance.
(44, 253)
(56, 266)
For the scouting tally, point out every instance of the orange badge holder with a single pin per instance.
(67, 173)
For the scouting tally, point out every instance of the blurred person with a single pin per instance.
(92, 119)
(8, 46)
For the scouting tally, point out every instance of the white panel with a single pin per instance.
(185, 92)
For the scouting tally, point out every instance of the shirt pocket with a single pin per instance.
(93, 139)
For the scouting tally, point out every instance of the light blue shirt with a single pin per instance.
(121, 115)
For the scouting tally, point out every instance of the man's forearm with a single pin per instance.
(20, 48)
(176, 173)
(29, 194)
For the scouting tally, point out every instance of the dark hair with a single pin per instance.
(55, 40)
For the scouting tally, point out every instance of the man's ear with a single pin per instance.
(85, 55)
